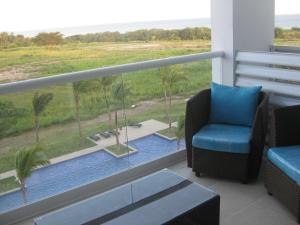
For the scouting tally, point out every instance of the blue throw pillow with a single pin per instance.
(233, 105)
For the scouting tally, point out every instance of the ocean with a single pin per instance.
(284, 21)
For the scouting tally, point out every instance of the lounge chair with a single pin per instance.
(113, 132)
(94, 137)
(134, 124)
(105, 134)
(98, 136)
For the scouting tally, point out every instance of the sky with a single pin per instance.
(22, 15)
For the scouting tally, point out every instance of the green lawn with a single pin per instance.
(170, 133)
(119, 150)
(8, 184)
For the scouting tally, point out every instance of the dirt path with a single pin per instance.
(14, 74)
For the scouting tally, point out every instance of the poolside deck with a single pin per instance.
(240, 204)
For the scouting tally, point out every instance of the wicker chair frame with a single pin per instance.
(221, 164)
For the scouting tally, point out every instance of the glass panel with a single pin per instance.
(75, 127)
(66, 124)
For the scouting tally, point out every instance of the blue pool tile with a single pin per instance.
(64, 168)
(152, 147)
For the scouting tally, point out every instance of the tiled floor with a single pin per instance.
(240, 204)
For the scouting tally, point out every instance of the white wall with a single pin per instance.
(244, 25)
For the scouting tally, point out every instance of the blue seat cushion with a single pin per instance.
(233, 105)
(287, 159)
(223, 138)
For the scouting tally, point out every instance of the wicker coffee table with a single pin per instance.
(160, 198)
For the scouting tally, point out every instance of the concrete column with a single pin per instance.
(239, 25)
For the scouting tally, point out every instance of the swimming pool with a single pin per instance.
(63, 176)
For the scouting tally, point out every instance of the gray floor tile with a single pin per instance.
(243, 204)
(258, 214)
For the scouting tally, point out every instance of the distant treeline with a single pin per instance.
(55, 38)
(8, 40)
(202, 33)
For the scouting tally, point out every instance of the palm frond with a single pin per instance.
(84, 86)
(27, 160)
(170, 75)
(40, 101)
(106, 82)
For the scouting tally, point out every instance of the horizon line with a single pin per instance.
(52, 29)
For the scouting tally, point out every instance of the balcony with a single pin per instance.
(98, 133)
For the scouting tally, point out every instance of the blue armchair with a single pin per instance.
(225, 131)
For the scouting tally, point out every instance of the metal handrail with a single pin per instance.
(285, 48)
(18, 86)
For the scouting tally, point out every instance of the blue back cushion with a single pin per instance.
(233, 105)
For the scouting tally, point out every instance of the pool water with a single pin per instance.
(57, 178)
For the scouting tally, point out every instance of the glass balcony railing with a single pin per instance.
(93, 124)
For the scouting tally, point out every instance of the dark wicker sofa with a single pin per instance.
(284, 134)
(223, 164)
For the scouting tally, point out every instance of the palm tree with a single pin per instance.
(26, 161)
(169, 76)
(164, 72)
(39, 103)
(119, 92)
(80, 87)
(180, 129)
(106, 86)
